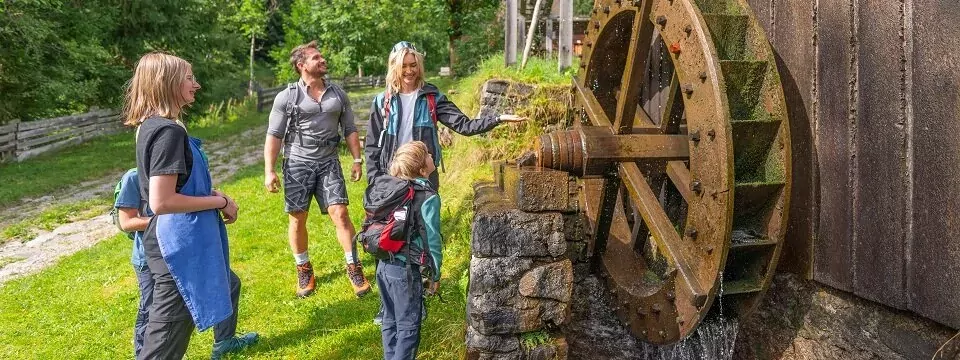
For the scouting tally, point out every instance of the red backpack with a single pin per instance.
(384, 229)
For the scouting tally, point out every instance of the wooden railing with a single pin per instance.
(21, 140)
(265, 96)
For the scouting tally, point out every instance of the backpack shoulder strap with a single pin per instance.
(387, 97)
(432, 103)
(421, 194)
(293, 98)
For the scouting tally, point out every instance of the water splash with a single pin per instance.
(714, 340)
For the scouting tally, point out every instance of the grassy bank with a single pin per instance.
(84, 306)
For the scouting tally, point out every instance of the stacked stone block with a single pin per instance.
(521, 273)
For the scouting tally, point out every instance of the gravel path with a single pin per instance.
(19, 258)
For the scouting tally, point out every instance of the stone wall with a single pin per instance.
(521, 272)
(532, 295)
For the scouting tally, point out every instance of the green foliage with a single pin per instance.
(61, 57)
(582, 7)
(532, 339)
(250, 18)
(361, 33)
(539, 71)
(481, 33)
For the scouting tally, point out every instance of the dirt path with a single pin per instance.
(18, 258)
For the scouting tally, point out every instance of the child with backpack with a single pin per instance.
(402, 230)
(131, 215)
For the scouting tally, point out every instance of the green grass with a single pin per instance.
(84, 306)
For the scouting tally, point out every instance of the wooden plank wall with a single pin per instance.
(872, 87)
(22, 140)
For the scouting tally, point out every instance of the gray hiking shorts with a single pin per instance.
(305, 180)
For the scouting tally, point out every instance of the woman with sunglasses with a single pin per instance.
(410, 109)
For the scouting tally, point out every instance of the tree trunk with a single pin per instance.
(456, 15)
(253, 41)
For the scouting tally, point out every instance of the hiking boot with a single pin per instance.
(360, 284)
(238, 343)
(305, 280)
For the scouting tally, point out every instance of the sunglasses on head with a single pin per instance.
(403, 45)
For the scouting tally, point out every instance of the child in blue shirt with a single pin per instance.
(129, 207)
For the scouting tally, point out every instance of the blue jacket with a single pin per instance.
(381, 141)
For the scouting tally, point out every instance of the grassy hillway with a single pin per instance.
(83, 306)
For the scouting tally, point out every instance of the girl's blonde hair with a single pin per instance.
(154, 88)
(395, 69)
(408, 161)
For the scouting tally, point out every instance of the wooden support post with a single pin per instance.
(548, 41)
(530, 32)
(510, 33)
(565, 46)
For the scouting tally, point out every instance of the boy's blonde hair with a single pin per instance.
(408, 161)
(395, 69)
(155, 88)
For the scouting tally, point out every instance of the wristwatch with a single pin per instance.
(358, 161)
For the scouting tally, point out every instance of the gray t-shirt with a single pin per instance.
(318, 124)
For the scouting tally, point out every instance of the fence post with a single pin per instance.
(259, 99)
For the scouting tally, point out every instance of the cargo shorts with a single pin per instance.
(305, 180)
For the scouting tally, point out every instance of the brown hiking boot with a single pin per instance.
(360, 284)
(305, 280)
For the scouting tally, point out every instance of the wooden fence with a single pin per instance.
(21, 140)
(265, 96)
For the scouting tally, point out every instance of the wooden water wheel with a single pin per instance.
(681, 139)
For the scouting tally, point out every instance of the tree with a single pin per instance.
(361, 34)
(251, 18)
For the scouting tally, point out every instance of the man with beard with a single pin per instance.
(305, 119)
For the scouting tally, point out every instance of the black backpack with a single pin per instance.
(293, 131)
(392, 218)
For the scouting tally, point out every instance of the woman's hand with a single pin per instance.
(230, 211)
(511, 118)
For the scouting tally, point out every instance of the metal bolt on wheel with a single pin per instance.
(682, 143)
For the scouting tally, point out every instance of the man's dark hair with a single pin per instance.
(296, 55)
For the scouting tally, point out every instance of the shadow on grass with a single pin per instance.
(325, 320)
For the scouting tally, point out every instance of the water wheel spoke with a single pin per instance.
(660, 226)
(680, 176)
(607, 210)
(643, 124)
(591, 105)
(673, 94)
(635, 70)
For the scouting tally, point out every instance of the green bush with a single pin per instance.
(62, 57)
